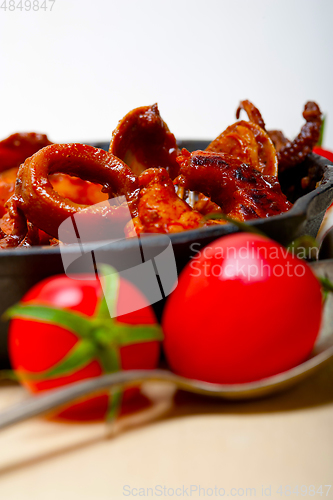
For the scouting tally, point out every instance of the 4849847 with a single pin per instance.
(27, 5)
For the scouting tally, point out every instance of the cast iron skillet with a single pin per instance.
(22, 268)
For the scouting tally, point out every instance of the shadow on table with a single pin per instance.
(314, 391)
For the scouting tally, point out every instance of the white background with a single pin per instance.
(74, 72)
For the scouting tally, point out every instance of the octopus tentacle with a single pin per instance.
(44, 207)
(252, 112)
(294, 152)
(239, 189)
(17, 147)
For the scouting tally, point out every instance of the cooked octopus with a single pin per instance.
(17, 147)
(74, 188)
(252, 112)
(166, 191)
(7, 187)
(290, 153)
(278, 138)
(160, 210)
(248, 142)
(15, 231)
(143, 140)
(294, 152)
(36, 200)
(239, 189)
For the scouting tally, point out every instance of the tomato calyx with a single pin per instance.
(8, 375)
(99, 337)
(326, 286)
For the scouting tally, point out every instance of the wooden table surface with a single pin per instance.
(183, 443)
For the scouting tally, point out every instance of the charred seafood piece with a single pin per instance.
(17, 147)
(143, 140)
(15, 230)
(36, 201)
(160, 210)
(249, 143)
(291, 153)
(13, 151)
(239, 189)
(165, 191)
(73, 188)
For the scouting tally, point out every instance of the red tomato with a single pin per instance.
(244, 309)
(36, 346)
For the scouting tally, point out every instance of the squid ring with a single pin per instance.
(44, 207)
